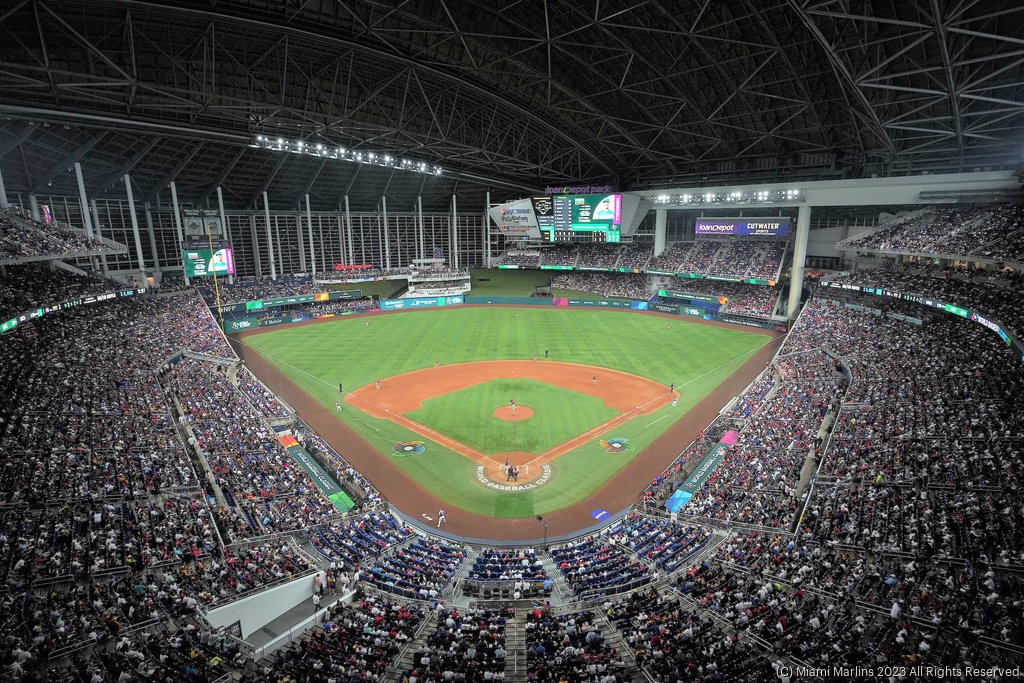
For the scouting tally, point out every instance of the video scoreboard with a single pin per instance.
(200, 261)
(579, 217)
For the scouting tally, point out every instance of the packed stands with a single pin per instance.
(673, 641)
(21, 238)
(595, 566)
(660, 541)
(992, 292)
(466, 644)
(357, 539)
(560, 255)
(742, 299)
(33, 285)
(615, 285)
(421, 570)
(355, 642)
(257, 289)
(570, 647)
(992, 232)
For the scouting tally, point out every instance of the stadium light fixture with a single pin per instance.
(735, 196)
(321, 150)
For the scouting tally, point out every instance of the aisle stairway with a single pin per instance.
(614, 638)
(396, 671)
(515, 647)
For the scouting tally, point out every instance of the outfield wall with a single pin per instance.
(419, 303)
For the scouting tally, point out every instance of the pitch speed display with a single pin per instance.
(586, 218)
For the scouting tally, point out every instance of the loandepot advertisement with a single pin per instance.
(202, 262)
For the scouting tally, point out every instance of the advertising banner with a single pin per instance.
(742, 226)
(516, 218)
(34, 313)
(600, 303)
(707, 466)
(420, 302)
(320, 478)
(932, 302)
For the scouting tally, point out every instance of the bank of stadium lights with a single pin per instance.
(342, 154)
(758, 197)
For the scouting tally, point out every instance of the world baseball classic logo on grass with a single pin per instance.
(405, 448)
(617, 445)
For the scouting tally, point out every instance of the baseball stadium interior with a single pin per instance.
(326, 327)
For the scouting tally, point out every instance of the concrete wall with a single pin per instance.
(256, 611)
(823, 242)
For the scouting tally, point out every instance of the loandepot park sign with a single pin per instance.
(577, 189)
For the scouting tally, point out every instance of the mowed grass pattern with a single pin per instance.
(467, 415)
(694, 357)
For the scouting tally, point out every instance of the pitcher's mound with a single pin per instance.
(505, 413)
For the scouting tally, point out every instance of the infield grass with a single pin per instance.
(694, 357)
(467, 415)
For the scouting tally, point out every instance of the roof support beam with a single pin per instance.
(67, 161)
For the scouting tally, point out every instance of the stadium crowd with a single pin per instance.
(23, 238)
(904, 547)
(991, 231)
(613, 285)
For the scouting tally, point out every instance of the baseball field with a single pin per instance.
(593, 390)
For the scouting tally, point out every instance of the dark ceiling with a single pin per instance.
(507, 96)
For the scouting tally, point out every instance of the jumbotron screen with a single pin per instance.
(200, 261)
(585, 218)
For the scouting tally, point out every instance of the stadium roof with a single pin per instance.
(506, 95)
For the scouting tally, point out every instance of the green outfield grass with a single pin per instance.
(468, 415)
(694, 357)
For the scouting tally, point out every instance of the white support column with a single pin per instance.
(796, 280)
(487, 230)
(454, 261)
(309, 228)
(270, 238)
(423, 229)
(152, 237)
(4, 204)
(33, 206)
(660, 229)
(81, 198)
(84, 203)
(387, 238)
(348, 234)
(135, 224)
(302, 242)
(98, 231)
(177, 228)
(255, 239)
(224, 226)
(280, 251)
(342, 242)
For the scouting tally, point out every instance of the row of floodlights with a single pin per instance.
(729, 197)
(331, 152)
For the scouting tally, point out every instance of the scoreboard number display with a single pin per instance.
(586, 218)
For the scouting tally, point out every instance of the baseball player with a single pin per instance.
(440, 518)
(378, 385)
(513, 407)
(337, 406)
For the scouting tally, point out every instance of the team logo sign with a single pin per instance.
(617, 445)
(405, 448)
